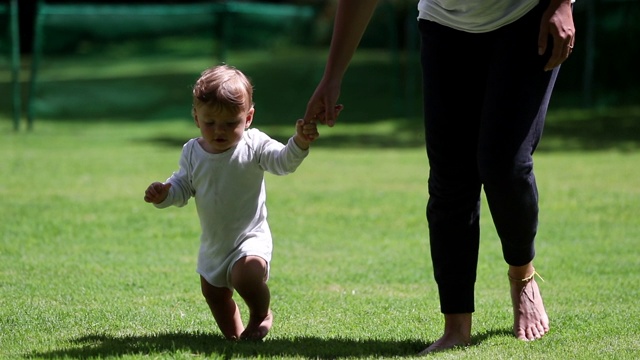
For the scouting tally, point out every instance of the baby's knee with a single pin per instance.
(214, 293)
(249, 270)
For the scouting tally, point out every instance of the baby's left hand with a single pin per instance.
(306, 133)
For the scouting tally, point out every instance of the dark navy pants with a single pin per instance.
(485, 100)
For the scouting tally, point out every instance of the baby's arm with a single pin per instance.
(306, 133)
(157, 192)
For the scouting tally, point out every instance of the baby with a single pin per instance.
(223, 170)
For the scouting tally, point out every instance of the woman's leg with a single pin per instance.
(452, 110)
(517, 96)
(453, 83)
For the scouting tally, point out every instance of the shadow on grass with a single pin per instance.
(99, 346)
(589, 130)
(565, 130)
(397, 139)
(102, 345)
(482, 337)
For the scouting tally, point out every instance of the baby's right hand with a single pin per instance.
(157, 192)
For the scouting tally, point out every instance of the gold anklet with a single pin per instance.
(527, 279)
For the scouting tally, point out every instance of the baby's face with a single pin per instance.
(221, 130)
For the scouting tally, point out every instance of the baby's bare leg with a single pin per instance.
(224, 309)
(249, 277)
(530, 320)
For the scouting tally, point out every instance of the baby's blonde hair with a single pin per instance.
(224, 88)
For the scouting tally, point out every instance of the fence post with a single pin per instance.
(35, 60)
(589, 58)
(15, 64)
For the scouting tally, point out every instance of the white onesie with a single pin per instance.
(230, 197)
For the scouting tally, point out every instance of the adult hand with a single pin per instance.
(557, 22)
(351, 20)
(322, 104)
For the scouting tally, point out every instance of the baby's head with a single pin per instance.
(222, 107)
(223, 89)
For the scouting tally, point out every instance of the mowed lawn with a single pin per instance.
(88, 270)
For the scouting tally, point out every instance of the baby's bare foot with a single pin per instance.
(530, 320)
(257, 328)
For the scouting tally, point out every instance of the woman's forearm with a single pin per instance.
(352, 18)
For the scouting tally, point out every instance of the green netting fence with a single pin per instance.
(10, 60)
(138, 60)
(128, 60)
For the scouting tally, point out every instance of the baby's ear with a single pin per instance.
(249, 117)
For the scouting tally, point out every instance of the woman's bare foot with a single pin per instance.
(530, 320)
(257, 328)
(457, 332)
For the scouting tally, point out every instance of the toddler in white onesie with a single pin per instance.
(223, 170)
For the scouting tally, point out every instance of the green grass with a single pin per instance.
(88, 270)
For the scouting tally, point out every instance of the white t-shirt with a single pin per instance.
(474, 16)
(230, 198)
